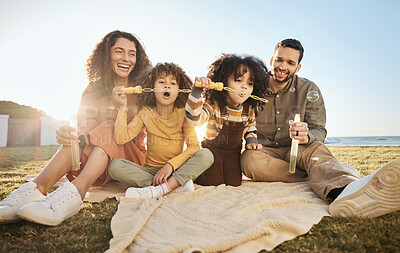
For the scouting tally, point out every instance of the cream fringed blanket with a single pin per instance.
(249, 218)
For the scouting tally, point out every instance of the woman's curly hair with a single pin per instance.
(160, 70)
(98, 66)
(238, 65)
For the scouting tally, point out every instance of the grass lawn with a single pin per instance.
(89, 230)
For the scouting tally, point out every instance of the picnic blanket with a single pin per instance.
(249, 218)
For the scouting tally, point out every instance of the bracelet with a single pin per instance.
(82, 141)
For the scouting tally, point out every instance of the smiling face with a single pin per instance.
(284, 64)
(243, 83)
(168, 83)
(123, 58)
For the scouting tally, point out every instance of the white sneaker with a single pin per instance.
(374, 195)
(10, 206)
(149, 192)
(55, 207)
(188, 187)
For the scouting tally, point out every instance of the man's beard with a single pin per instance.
(288, 77)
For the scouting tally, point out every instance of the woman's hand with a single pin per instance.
(163, 174)
(254, 146)
(205, 81)
(299, 131)
(65, 134)
(120, 97)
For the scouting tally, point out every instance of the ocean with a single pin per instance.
(364, 141)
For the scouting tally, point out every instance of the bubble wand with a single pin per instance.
(294, 148)
(215, 86)
(219, 86)
(75, 146)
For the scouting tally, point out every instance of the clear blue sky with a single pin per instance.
(351, 48)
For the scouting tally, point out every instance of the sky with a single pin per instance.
(351, 48)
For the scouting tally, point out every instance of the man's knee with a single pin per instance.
(248, 162)
(248, 158)
(315, 144)
(317, 148)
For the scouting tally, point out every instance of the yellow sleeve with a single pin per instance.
(124, 133)
(192, 144)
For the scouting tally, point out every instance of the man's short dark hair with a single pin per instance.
(292, 43)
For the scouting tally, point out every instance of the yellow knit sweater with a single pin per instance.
(165, 136)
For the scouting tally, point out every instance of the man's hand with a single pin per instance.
(299, 131)
(163, 174)
(65, 134)
(255, 146)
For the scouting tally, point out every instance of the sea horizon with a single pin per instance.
(363, 141)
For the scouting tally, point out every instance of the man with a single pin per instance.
(288, 94)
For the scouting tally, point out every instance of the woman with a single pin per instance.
(118, 60)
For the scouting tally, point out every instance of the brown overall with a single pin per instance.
(226, 148)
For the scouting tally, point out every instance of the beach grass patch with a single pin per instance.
(89, 230)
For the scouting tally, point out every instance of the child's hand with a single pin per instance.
(163, 174)
(120, 97)
(205, 81)
(255, 146)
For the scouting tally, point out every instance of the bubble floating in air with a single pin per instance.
(313, 96)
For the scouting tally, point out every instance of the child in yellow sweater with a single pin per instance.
(167, 166)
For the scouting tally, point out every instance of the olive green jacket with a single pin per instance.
(299, 96)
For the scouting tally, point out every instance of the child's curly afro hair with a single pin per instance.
(238, 65)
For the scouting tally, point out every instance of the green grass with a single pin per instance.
(89, 230)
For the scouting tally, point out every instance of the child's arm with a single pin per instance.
(173, 164)
(250, 134)
(192, 144)
(196, 113)
(124, 133)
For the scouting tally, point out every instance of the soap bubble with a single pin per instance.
(313, 96)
